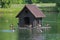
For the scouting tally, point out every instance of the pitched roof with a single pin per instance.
(34, 10)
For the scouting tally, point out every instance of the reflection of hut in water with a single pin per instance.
(30, 16)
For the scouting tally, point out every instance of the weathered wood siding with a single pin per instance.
(37, 21)
(24, 14)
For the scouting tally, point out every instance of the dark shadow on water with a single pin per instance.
(24, 34)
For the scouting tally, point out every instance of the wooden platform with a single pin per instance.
(34, 28)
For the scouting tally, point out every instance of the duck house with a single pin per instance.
(30, 15)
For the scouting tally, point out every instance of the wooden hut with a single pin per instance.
(30, 15)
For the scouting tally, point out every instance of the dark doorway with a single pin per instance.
(27, 20)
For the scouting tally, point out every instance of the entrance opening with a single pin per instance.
(27, 20)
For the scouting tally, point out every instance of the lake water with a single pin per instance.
(34, 34)
(30, 34)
